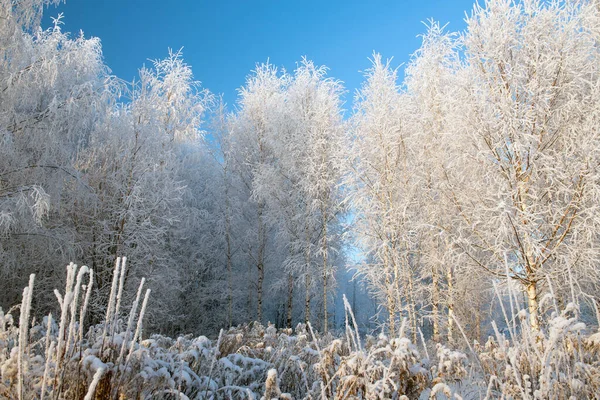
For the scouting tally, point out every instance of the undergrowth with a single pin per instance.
(56, 359)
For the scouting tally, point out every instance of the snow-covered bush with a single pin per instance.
(557, 362)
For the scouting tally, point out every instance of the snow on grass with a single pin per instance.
(52, 361)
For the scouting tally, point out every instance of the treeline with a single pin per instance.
(473, 179)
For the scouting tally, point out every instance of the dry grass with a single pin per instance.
(54, 359)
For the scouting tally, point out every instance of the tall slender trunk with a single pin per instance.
(435, 301)
(250, 299)
(307, 298)
(259, 302)
(325, 316)
(354, 310)
(392, 291)
(229, 284)
(478, 324)
(290, 300)
(450, 278)
(533, 306)
(307, 280)
(397, 298)
(411, 261)
(530, 263)
(262, 229)
(325, 272)
(412, 313)
(229, 260)
(260, 262)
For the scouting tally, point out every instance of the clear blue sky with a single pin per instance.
(224, 39)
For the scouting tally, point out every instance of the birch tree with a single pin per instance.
(301, 186)
(530, 114)
(259, 102)
(380, 189)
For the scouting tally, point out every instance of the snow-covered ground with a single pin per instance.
(54, 359)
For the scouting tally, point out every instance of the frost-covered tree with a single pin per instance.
(82, 174)
(259, 104)
(381, 191)
(53, 91)
(135, 165)
(301, 185)
(431, 80)
(315, 108)
(526, 186)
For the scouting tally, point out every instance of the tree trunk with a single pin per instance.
(533, 306)
(412, 313)
(290, 301)
(354, 310)
(325, 316)
(478, 324)
(392, 292)
(450, 277)
(435, 301)
(260, 265)
(229, 262)
(307, 280)
(261, 277)
(229, 285)
(325, 272)
(250, 297)
(307, 298)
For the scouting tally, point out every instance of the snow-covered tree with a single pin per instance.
(135, 165)
(381, 187)
(301, 186)
(527, 187)
(259, 104)
(53, 92)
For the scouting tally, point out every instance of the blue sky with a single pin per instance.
(223, 40)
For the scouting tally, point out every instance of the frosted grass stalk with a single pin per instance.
(92, 388)
(508, 324)
(571, 285)
(500, 338)
(23, 332)
(119, 295)
(488, 393)
(111, 298)
(531, 341)
(83, 311)
(403, 327)
(467, 342)
(349, 334)
(49, 352)
(316, 345)
(138, 329)
(212, 363)
(66, 300)
(423, 342)
(60, 347)
(349, 308)
(510, 298)
(137, 332)
(22, 335)
(130, 321)
(83, 270)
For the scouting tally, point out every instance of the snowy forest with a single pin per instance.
(434, 235)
